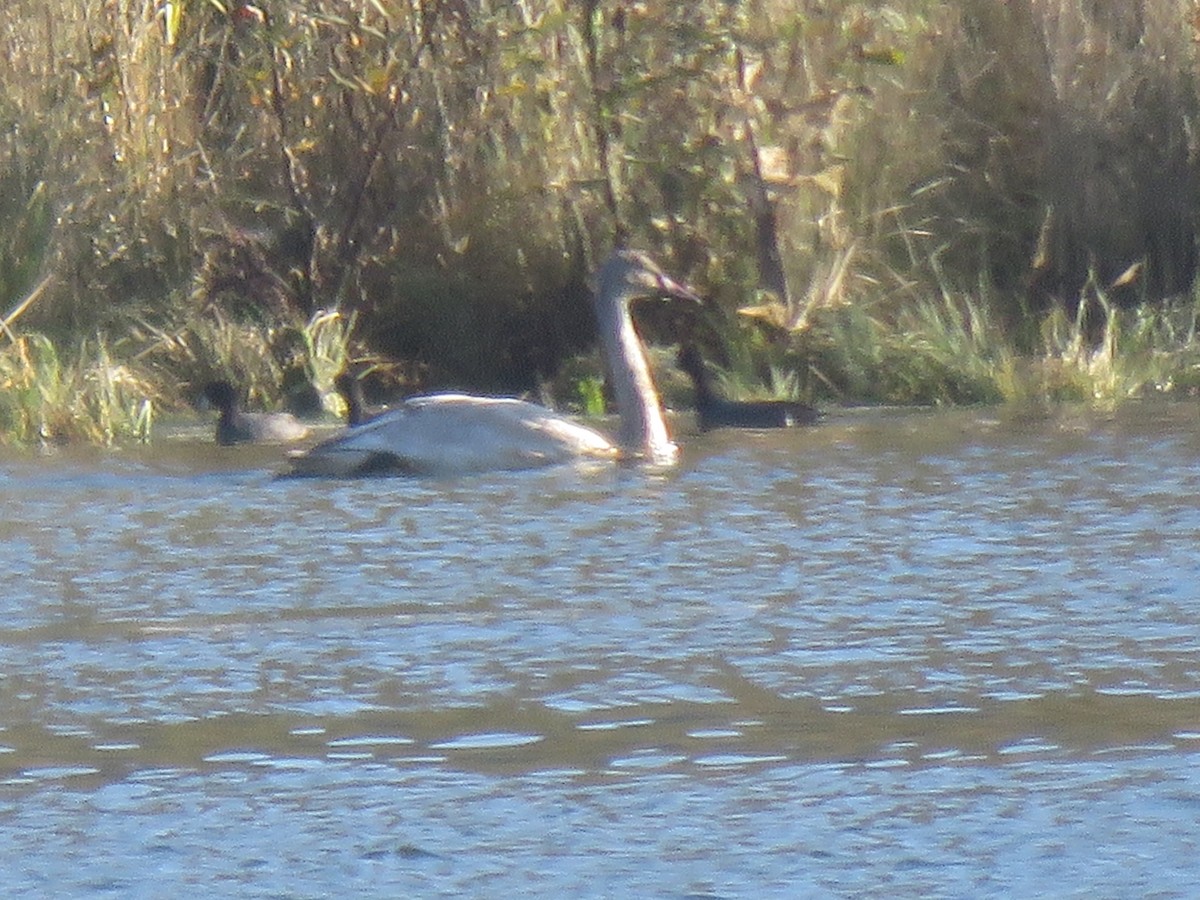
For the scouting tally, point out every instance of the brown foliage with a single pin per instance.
(450, 170)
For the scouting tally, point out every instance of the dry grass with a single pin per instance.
(933, 181)
(89, 397)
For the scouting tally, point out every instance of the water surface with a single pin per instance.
(921, 654)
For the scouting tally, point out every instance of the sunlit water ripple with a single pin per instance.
(935, 654)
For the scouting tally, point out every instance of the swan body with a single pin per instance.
(714, 411)
(237, 427)
(450, 433)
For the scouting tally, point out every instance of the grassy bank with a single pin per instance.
(902, 201)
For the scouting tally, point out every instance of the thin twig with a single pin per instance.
(17, 310)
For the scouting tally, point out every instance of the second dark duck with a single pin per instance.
(237, 427)
(714, 411)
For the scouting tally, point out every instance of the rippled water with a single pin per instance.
(916, 654)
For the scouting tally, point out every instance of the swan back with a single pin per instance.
(454, 433)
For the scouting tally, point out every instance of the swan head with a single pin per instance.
(629, 275)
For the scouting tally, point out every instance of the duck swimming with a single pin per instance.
(349, 388)
(454, 433)
(237, 427)
(713, 411)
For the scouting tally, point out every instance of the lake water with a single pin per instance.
(900, 654)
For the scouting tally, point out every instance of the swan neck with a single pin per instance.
(643, 430)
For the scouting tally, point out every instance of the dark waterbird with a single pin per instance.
(237, 427)
(452, 433)
(349, 388)
(713, 411)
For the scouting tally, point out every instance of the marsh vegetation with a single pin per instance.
(901, 201)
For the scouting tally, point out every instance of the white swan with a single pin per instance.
(448, 433)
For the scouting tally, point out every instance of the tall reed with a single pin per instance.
(89, 397)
